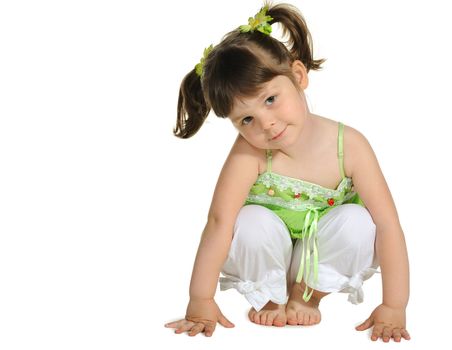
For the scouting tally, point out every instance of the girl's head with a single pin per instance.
(241, 66)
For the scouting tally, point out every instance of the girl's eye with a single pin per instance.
(244, 120)
(270, 100)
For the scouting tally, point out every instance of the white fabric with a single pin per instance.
(259, 257)
(263, 263)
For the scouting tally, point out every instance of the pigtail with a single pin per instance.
(299, 41)
(241, 63)
(192, 109)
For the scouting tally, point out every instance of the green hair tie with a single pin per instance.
(199, 68)
(259, 23)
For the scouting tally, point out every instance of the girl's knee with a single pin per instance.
(361, 222)
(356, 215)
(254, 216)
(350, 223)
(347, 238)
(257, 224)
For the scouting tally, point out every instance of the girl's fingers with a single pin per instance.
(396, 334)
(198, 327)
(225, 322)
(176, 324)
(194, 328)
(405, 334)
(184, 326)
(365, 325)
(210, 328)
(377, 332)
(172, 324)
(387, 332)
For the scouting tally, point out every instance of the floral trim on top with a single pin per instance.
(295, 194)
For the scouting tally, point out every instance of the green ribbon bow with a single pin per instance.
(199, 68)
(259, 23)
(308, 233)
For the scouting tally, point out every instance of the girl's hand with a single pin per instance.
(388, 323)
(202, 316)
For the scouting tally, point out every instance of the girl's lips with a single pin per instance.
(279, 135)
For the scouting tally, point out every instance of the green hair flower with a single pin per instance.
(259, 23)
(200, 66)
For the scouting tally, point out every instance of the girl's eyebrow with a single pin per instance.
(236, 119)
(264, 92)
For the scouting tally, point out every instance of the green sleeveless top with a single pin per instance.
(300, 205)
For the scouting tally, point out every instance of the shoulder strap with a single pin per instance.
(340, 149)
(269, 160)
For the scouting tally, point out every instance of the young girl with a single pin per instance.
(301, 208)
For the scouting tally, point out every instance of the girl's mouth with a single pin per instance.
(279, 135)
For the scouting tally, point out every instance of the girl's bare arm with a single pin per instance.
(393, 257)
(236, 178)
(371, 185)
(388, 318)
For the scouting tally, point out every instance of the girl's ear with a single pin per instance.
(300, 73)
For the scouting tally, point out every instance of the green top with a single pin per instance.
(300, 204)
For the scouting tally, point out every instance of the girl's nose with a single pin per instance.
(267, 122)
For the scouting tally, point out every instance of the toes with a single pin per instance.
(269, 319)
(272, 319)
(251, 314)
(314, 318)
(257, 318)
(317, 318)
(264, 317)
(292, 321)
(279, 323)
(280, 320)
(291, 317)
(306, 319)
(300, 317)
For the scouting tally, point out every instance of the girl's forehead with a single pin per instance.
(246, 101)
(242, 103)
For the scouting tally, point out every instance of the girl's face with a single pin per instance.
(275, 118)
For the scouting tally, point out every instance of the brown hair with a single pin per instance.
(240, 65)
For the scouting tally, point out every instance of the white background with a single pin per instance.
(101, 207)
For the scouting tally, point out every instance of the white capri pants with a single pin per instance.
(263, 263)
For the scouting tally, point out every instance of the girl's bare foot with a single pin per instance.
(300, 312)
(271, 315)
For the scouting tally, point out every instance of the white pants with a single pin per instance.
(263, 262)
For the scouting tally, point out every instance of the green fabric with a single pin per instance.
(301, 204)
